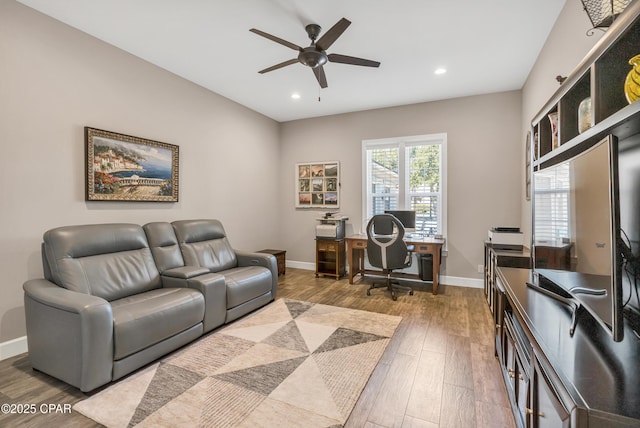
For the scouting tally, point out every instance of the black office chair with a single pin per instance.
(387, 250)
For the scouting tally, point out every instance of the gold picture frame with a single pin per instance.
(121, 167)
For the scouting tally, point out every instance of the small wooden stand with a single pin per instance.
(280, 258)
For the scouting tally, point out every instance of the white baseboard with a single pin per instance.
(444, 279)
(13, 347)
(301, 265)
(462, 282)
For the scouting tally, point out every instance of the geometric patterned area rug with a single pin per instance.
(290, 364)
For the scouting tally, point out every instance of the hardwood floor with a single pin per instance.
(439, 369)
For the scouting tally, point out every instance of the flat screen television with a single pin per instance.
(629, 190)
(576, 234)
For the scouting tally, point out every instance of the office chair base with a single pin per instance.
(392, 287)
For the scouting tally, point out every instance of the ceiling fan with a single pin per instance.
(315, 55)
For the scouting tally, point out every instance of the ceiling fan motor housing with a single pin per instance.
(312, 58)
(313, 30)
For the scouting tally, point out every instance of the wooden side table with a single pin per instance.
(280, 258)
(330, 257)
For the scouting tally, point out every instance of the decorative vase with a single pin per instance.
(553, 120)
(632, 82)
(584, 115)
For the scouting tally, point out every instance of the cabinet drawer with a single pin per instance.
(326, 245)
(424, 248)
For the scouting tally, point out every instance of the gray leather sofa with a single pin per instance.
(116, 297)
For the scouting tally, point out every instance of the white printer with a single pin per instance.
(331, 226)
(506, 238)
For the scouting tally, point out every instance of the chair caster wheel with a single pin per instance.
(368, 293)
(411, 293)
(394, 297)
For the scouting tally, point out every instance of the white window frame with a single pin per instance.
(404, 194)
(551, 229)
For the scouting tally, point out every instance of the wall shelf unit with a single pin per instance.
(601, 76)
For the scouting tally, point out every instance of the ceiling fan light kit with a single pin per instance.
(315, 55)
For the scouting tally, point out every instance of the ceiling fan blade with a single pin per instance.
(322, 79)
(332, 34)
(277, 66)
(352, 60)
(276, 39)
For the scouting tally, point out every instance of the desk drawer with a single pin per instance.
(424, 248)
(360, 244)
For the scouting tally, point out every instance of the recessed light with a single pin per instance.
(440, 70)
(295, 96)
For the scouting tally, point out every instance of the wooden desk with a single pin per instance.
(356, 244)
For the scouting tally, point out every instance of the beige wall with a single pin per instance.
(484, 156)
(55, 80)
(567, 44)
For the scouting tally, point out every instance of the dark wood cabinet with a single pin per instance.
(330, 257)
(553, 256)
(494, 257)
(555, 379)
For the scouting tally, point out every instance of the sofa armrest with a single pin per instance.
(261, 259)
(69, 334)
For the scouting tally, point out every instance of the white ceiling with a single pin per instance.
(486, 46)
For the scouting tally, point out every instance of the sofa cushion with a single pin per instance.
(246, 283)
(204, 243)
(110, 261)
(145, 319)
(164, 245)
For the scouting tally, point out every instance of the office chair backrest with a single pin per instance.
(387, 251)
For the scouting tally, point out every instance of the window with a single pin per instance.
(552, 204)
(407, 173)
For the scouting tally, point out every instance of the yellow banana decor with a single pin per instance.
(632, 82)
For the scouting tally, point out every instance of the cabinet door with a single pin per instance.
(487, 273)
(500, 304)
(522, 387)
(493, 262)
(548, 409)
(509, 357)
(515, 363)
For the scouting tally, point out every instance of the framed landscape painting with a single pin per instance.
(124, 168)
(317, 184)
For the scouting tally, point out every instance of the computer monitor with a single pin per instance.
(406, 217)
